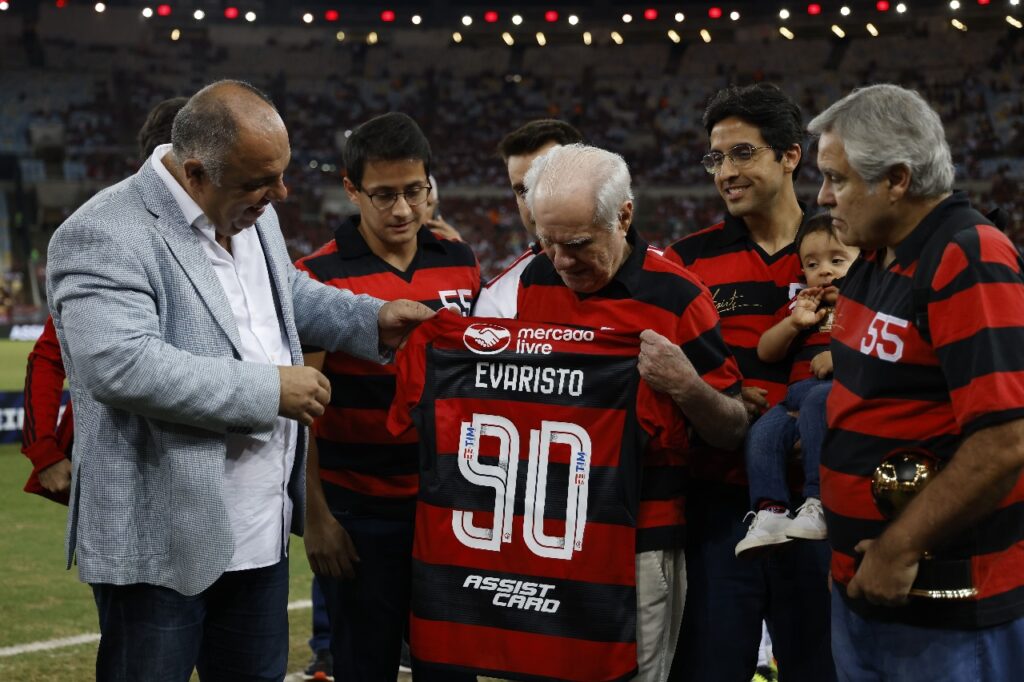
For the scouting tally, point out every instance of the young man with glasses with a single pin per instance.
(361, 481)
(751, 266)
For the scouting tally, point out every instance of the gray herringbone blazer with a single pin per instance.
(152, 355)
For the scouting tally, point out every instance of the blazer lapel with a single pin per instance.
(184, 244)
(278, 272)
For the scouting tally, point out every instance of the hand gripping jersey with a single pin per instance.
(531, 437)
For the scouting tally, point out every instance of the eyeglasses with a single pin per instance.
(414, 196)
(740, 155)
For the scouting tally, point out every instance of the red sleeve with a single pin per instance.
(44, 441)
(410, 371)
(976, 318)
(671, 255)
(699, 334)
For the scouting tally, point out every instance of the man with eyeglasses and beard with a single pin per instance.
(362, 482)
(750, 264)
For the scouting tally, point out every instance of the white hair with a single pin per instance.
(884, 125)
(576, 168)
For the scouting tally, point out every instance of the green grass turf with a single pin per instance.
(39, 600)
(13, 355)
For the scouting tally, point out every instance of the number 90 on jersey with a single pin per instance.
(502, 478)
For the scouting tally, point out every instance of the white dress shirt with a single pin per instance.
(257, 468)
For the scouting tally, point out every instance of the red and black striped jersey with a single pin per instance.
(363, 468)
(892, 389)
(807, 344)
(531, 436)
(648, 292)
(748, 286)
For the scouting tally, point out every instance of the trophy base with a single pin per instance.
(948, 579)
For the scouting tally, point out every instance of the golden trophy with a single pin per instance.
(901, 475)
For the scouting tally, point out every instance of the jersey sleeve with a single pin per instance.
(976, 319)
(410, 376)
(44, 385)
(699, 333)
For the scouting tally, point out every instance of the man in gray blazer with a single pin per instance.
(179, 316)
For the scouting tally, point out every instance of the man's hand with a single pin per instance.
(664, 366)
(883, 577)
(397, 319)
(821, 364)
(329, 548)
(56, 478)
(755, 400)
(806, 313)
(305, 393)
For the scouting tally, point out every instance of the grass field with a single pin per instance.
(39, 599)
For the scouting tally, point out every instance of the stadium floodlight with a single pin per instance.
(674, 37)
(954, 5)
(250, 16)
(372, 38)
(617, 38)
(467, 20)
(307, 18)
(587, 38)
(175, 34)
(734, 15)
(146, 11)
(679, 17)
(705, 35)
(1014, 21)
(573, 20)
(4, 5)
(199, 15)
(1014, 2)
(626, 18)
(339, 36)
(541, 40)
(786, 33)
(416, 19)
(457, 37)
(517, 19)
(901, 8)
(783, 14)
(507, 37)
(844, 10)
(100, 7)
(959, 25)
(838, 30)
(872, 30)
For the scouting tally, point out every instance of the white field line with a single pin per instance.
(63, 642)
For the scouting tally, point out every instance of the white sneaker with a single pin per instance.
(767, 528)
(809, 523)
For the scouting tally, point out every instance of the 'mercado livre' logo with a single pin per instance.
(486, 339)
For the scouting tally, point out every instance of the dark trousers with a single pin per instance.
(321, 638)
(235, 630)
(773, 436)
(727, 598)
(370, 613)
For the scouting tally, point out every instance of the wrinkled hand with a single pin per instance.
(305, 393)
(56, 478)
(443, 229)
(664, 366)
(755, 400)
(329, 548)
(397, 319)
(821, 364)
(806, 312)
(880, 578)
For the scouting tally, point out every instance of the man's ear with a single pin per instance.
(898, 181)
(625, 216)
(350, 189)
(791, 158)
(195, 174)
